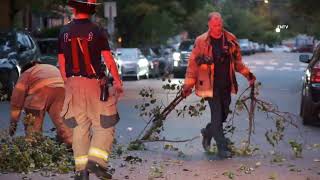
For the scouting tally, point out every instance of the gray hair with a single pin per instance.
(215, 15)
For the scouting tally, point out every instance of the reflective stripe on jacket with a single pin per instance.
(202, 76)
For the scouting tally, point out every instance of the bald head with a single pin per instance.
(215, 24)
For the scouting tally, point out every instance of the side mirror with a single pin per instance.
(305, 58)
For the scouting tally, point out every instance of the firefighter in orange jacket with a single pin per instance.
(39, 89)
(212, 65)
(81, 45)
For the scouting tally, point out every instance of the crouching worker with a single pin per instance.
(89, 107)
(39, 89)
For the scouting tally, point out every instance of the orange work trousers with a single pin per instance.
(47, 99)
(92, 120)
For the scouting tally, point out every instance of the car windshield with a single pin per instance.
(186, 46)
(6, 41)
(127, 54)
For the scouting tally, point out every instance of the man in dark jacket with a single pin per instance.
(212, 65)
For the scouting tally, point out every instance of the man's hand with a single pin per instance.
(118, 88)
(252, 79)
(12, 128)
(186, 91)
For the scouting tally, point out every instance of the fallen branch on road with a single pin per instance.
(247, 102)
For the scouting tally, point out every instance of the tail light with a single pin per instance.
(315, 73)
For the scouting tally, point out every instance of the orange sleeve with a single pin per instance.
(192, 69)
(62, 66)
(112, 67)
(20, 91)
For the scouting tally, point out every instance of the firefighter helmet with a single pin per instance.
(84, 5)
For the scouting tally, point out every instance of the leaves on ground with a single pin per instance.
(296, 148)
(245, 169)
(273, 176)
(229, 174)
(20, 154)
(277, 158)
(156, 172)
(136, 146)
(133, 159)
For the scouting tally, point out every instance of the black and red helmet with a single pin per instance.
(84, 5)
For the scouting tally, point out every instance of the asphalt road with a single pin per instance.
(281, 78)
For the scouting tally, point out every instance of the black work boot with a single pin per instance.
(223, 151)
(81, 175)
(206, 140)
(99, 171)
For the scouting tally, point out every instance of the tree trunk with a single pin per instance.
(6, 14)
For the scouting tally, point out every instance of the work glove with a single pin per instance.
(251, 79)
(12, 128)
(186, 91)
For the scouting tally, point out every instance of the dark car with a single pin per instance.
(16, 49)
(49, 50)
(181, 57)
(161, 62)
(154, 61)
(310, 94)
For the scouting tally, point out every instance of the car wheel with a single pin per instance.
(13, 78)
(306, 110)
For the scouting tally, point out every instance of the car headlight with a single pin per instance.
(176, 56)
(175, 63)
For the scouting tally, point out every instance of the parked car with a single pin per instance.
(154, 61)
(133, 62)
(181, 57)
(310, 94)
(304, 48)
(280, 48)
(16, 49)
(49, 50)
(246, 47)
(161, 62)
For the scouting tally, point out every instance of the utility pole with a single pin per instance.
(110, 12)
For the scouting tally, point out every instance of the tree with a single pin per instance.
(305, 16)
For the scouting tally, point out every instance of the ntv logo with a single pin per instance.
(283, 26)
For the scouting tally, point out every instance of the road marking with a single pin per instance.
(270, 68)
(289, 64)
(285, 68)
(274, 63)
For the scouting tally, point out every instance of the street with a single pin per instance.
(280, 75)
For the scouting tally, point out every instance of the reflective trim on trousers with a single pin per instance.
(96, 152)
(81, 160)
